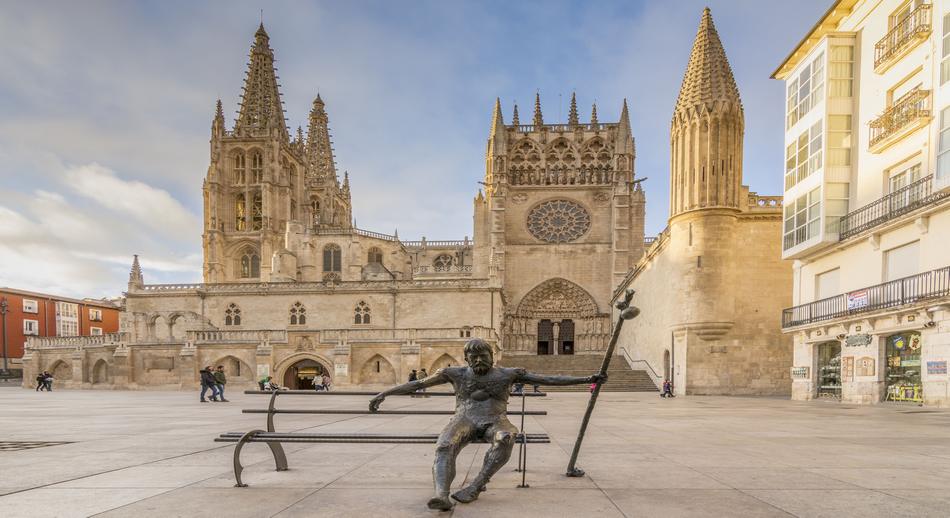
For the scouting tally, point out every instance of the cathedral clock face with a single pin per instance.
(558, 221)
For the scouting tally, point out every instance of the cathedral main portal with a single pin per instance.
(556, 317)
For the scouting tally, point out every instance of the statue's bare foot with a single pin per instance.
(440, 503)
(468, 494)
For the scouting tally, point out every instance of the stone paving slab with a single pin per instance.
(151, 454)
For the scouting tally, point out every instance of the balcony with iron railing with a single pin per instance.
(906, 115)
(904, 36)
(903, 201)
(900, 292)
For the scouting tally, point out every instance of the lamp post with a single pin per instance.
(3, 313)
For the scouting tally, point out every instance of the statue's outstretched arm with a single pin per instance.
(532, 378)
(408, 388)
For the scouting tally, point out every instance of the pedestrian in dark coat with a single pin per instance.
(220, 379)
(208, 382)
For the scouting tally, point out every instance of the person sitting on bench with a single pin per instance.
(481, 406)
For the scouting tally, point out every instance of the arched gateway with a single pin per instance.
(304, 374)
(555, 317)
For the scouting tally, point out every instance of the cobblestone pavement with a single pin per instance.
(151, 454)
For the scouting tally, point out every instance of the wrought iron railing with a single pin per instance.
(899, 292)
(913, 106)
(902, 201)
(911, 29)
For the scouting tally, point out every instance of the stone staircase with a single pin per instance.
(621, 378)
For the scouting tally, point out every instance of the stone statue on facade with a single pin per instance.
(481, 405)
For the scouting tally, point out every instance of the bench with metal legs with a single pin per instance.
(274, 439)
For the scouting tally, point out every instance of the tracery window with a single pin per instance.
(257, 212)
(375, 255)
(361, 315)
(331, 277)
(257, 167)
(442, 263)
(298, 314)
(331, 258)
(232, 315)
(250, 264)
(239, 170)
(558, 221)
(240, 213)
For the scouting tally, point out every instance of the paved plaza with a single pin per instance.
(152, 454)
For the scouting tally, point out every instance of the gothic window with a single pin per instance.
(239, 170)
(331, 277)
(250, 264)
(331, 258)
(375, 256)
(257, 212)
(298, 314)
(240, 213)
(442, 263)
(361, 314)
(558, 221)
(232, 315)
(257, 167)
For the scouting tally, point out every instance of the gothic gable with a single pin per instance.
(557, 298)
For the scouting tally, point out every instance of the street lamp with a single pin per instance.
(3, 312)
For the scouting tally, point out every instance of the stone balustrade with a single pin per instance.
(231, 336)
(58, 342)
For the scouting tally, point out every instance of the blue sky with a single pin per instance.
(106, 107)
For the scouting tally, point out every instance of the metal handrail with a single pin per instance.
(916, 25)
(902, 201)
(913, 106)
(907, 290)
(626, 356)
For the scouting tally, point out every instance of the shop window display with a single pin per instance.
(829, 370)
(903, 368)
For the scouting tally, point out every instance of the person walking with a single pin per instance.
(326, 381)
(48, 381)
(208, 382)
(422, 375)
(667, 389)
(413, 376)
(220, 380)
(40, 381)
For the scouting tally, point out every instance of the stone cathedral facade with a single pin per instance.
(292, 289)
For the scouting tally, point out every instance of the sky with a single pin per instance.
(106, 109)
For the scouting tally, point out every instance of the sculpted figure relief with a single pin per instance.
(481, 405)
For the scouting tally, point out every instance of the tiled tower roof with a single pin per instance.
(261, 107)
(708, 77)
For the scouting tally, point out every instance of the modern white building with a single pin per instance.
(867, 202)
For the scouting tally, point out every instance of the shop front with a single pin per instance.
(829, 369)
(903, 362)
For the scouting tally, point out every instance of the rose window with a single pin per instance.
(558, 221)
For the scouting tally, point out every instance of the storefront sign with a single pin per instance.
(847, 368)
(857, 340)
(866, 366)
(858, 299)
(937, 367)
(800, 373)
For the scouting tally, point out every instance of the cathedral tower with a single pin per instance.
(706, 131)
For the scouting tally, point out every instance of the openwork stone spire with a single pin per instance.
(514, 117)
(707, 130)
(217, 124)
(593, 114)
(538, 119)
(319, 147)
(135, 275)
(261, 111)
(572, 115)
(497, 119)
(708, 77)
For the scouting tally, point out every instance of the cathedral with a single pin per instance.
(294, 290)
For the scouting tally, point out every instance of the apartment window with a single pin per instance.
(900, 178)
(943, 148)
(840, 70)
(945, 54)
(802, 219)
(836, 204)
(803, 156)
(902, 261)
(30, 306)
(826, 284)
(31, 327)
(806, 90)
(95, 331)
(839, 140)
(95, 315)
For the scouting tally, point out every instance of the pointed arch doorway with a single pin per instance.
(556, 317)
(302, 374)
(555, 337)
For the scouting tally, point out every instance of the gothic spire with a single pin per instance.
(514, 117)
(708, 77)
(319, 147)
(217, 125)
(593, 114)
(261, 110)
(625, 115)
(572, 115)
(538, 119)
(135, 275)
(497, 119)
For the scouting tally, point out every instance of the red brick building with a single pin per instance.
(38, 314)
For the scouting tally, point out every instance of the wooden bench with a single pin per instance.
(274, 439)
